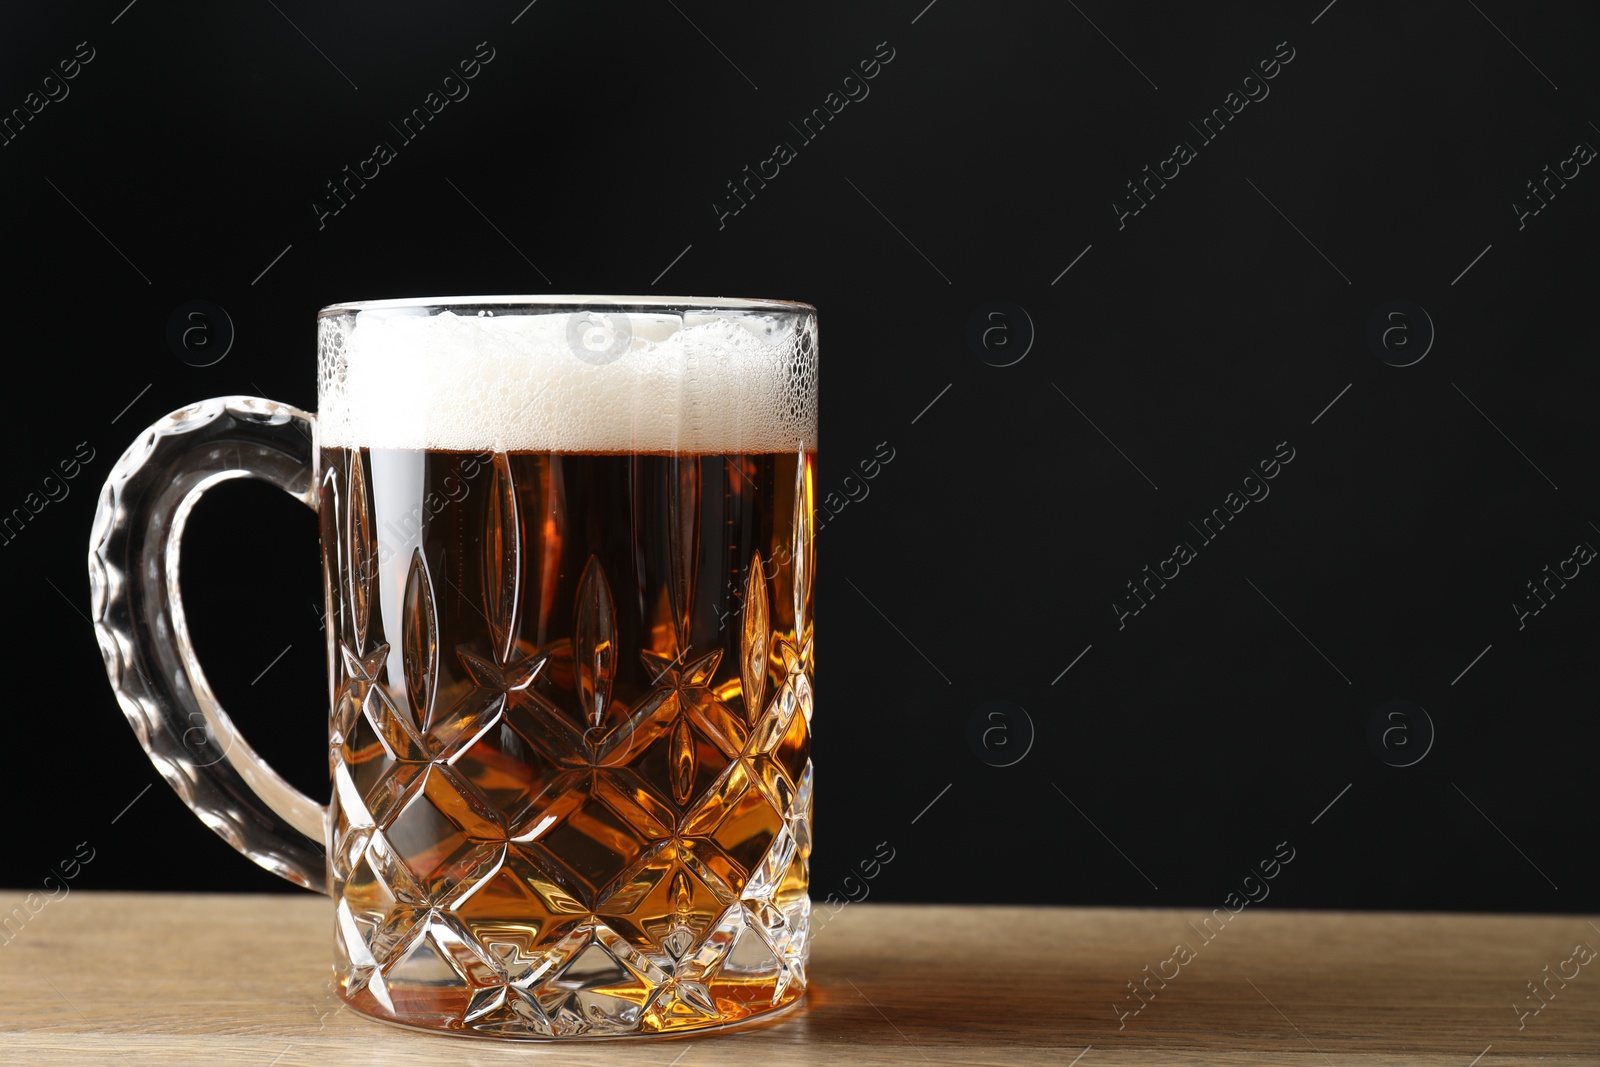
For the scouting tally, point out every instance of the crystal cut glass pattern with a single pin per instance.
(572, 792)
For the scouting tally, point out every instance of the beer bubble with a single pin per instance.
(599, 335)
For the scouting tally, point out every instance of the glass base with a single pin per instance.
(585, 981)
(756, 1009)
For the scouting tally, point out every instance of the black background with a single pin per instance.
(1176, 352)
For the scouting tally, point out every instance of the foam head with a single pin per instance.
(651, 379)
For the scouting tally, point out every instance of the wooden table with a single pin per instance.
(104, 978)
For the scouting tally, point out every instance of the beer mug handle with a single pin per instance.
(144, 638)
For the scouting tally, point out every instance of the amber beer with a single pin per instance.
(571, 697)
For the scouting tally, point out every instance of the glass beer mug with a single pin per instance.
(567, 562)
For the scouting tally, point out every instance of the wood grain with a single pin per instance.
(159, 979)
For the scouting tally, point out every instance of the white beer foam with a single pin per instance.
(704, 381)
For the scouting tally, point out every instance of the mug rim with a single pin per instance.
(547, 304)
